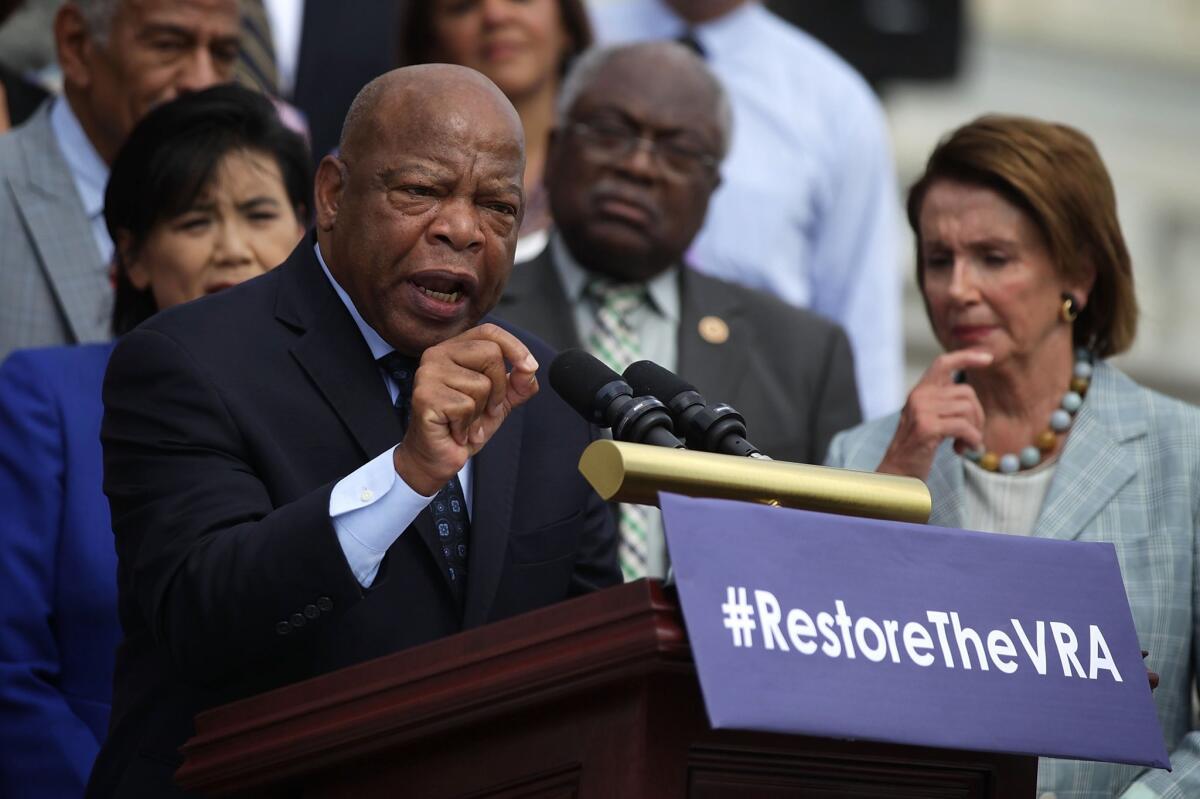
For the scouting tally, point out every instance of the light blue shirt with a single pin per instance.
(372, 506)
(655, 324)
(88, 171)
(808, 207)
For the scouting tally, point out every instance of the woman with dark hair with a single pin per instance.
(525, 47)
(1023, 426)
(209, 190)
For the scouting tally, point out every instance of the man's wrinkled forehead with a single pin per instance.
(414, 111)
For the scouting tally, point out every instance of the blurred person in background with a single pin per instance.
(807, 206)
(19, 98)
(208, 191)
(612, 277)
(119, 59)
(525, 47)
(1024, 427)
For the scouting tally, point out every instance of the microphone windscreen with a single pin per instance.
(578, 376)
(647, 378)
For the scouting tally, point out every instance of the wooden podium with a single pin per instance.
(595, 697)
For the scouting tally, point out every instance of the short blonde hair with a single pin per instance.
(1054, 174)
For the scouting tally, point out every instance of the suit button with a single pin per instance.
(283, 628)
(311, 611)
(325, 604)
(298, 619)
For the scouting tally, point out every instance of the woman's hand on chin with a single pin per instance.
(938, 408)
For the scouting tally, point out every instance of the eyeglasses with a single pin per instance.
(615, 140)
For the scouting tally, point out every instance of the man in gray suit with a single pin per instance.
(631, 166)
(119, 58)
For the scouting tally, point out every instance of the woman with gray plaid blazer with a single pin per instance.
(1022, 426)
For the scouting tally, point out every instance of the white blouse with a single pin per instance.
(1005, 503)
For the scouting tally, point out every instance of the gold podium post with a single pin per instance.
(635, 473)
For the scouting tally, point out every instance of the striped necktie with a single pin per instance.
(256, 67)
(614, 341)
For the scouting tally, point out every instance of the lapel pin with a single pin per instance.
(714, 330)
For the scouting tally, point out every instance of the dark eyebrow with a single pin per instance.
(389, 174)
(167, 29)
(515, 188)
(261, 200)
(153, 29)
(993, 241)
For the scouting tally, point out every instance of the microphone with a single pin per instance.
(601, 396)
(711, 428)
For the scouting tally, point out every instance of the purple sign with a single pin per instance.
(829, 625)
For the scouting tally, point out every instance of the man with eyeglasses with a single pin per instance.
(632, 163)
(808, 211)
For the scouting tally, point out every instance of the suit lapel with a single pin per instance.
(493, 479)
(333, 354)
(49, 205)
(716, 369)
(1095, 463)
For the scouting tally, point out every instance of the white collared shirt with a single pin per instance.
(371, 507)
(88, 171)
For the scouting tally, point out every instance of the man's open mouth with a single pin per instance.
(440, 289)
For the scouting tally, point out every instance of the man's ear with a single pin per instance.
(332, 174)
(128, 257)
(75, 46)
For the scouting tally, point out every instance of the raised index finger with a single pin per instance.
(943, 368)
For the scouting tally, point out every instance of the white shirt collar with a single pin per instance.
(715, 36)
(663, 289)
(88, 170)
(375, 342)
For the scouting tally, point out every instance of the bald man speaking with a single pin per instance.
(343, 458)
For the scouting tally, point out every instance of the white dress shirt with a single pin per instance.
(808, 206)
(286, 18)
(372, 506)
(88, 171)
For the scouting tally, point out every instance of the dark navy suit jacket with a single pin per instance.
(58, 592)
(227, 423)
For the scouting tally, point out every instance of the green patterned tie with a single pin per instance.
(614, 341)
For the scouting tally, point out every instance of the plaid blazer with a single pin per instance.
(1129, 475)
(54, 286)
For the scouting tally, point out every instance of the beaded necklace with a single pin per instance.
(1060, 422)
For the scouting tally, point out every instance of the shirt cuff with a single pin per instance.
(370, 508)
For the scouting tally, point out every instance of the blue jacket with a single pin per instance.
(1128, 475)
(58, 593)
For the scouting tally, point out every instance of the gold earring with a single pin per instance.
(1069, 311)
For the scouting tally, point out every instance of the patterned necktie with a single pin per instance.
(614, 341)
(448, 506)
